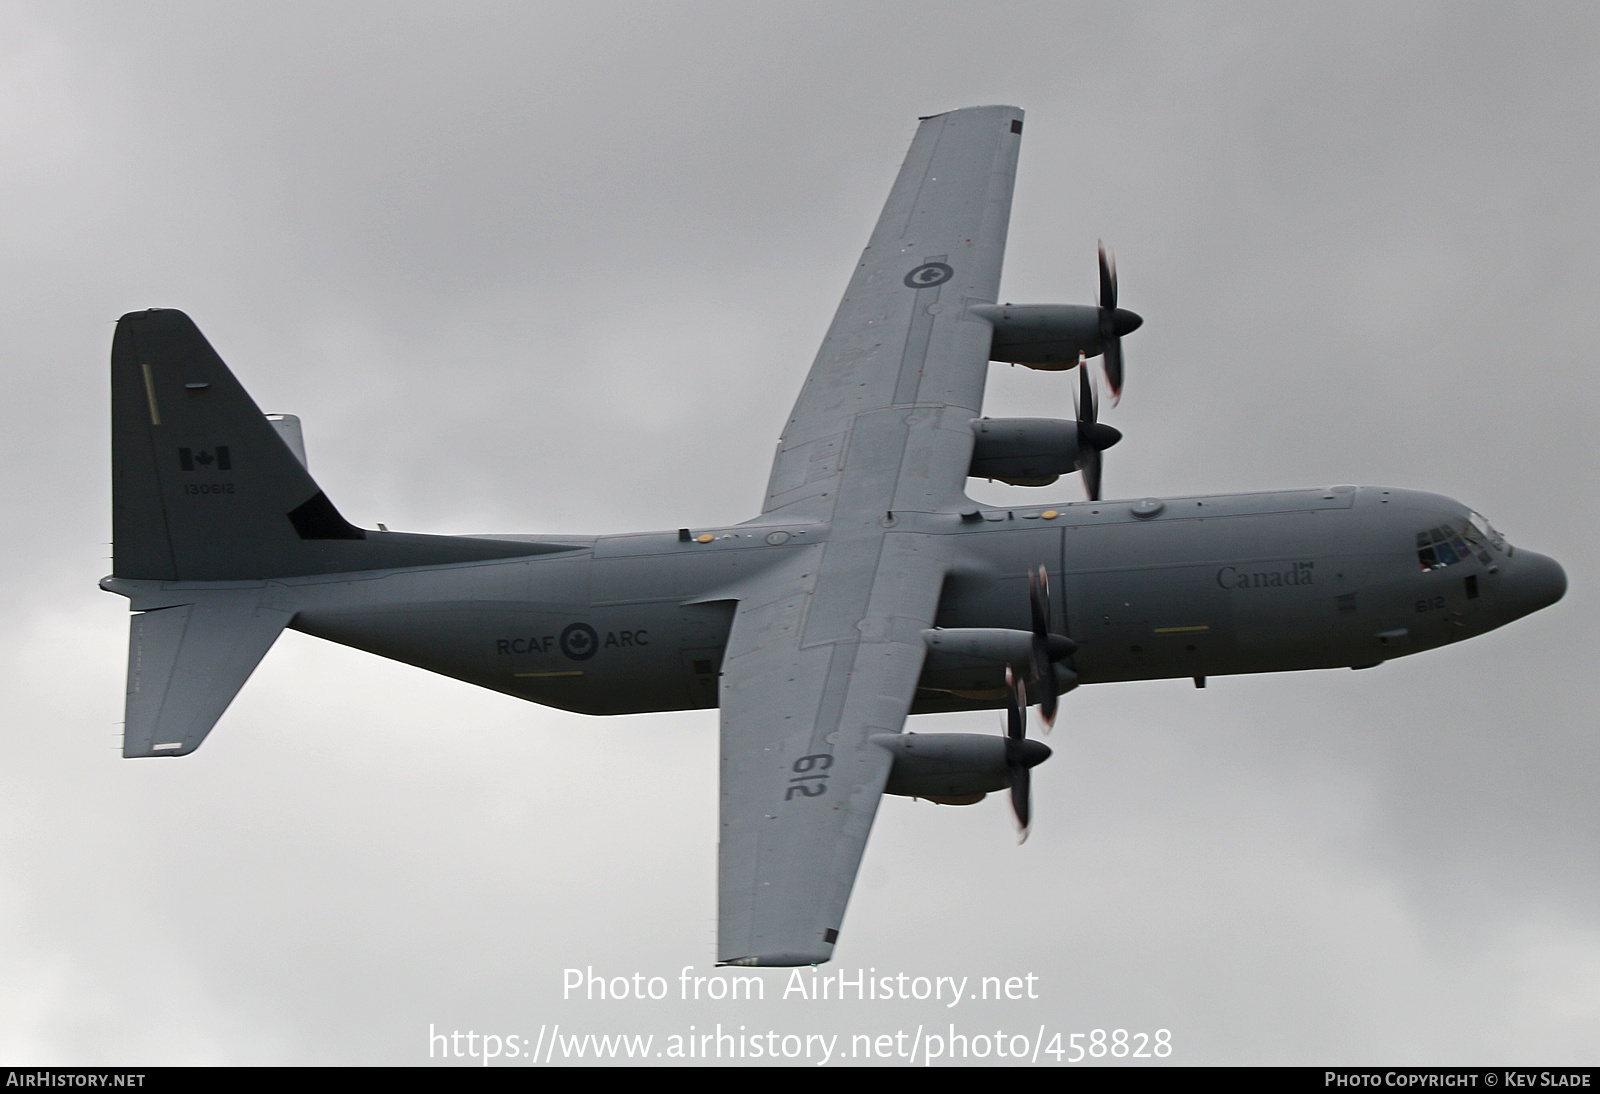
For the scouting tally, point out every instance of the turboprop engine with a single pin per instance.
(1034, 451)
(1057, 337)
(961, 768)
(955, 768)
(971, 661)
(1052, 337)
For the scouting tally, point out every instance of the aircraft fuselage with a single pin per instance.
(1179, 587)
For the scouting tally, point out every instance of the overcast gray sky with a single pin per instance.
(559, 267)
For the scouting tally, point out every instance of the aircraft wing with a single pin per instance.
(826, 646)
(902, 336)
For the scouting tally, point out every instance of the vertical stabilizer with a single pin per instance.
(206, 488)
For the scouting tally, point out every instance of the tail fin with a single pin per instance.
(204, 488)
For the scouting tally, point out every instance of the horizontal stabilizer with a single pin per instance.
(187, 662)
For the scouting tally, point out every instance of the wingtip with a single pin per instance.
(1017, 110)
(168, 314)
(779, 960)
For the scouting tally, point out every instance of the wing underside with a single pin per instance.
(902, 336)
(803, 692)
(826, 645)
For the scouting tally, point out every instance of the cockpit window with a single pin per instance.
(1445, 546)
(1476, 523)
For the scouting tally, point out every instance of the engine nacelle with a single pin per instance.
(971, 661)
(1048, 336)
(957, 648)
(952, 768)
(1024, 451)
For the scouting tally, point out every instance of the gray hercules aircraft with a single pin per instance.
(870, 587)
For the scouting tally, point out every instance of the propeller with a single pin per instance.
(1047, 648)
(1114, 323)
(1093, 438)
(1018, 753)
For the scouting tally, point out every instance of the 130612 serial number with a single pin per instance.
(208, 488)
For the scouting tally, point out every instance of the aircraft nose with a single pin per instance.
(1535, 581)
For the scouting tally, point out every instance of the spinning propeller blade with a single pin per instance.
(1093, 437)
(1110, 328)
(1043, 669)
(1047, 648)
(1017, 753)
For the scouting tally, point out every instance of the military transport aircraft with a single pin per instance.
(870, 587)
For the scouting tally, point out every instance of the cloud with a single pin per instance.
(562, 268)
